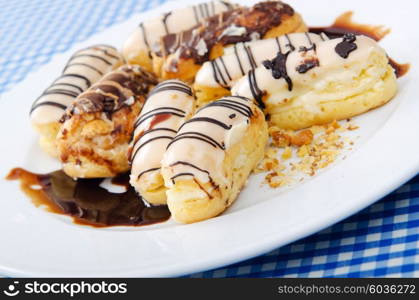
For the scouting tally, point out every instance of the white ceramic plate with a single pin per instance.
(37, 243)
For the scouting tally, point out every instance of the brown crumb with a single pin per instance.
(352, 127)
(304, 137)
(280, 139)
(316, 148)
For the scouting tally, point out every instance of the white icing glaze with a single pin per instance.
(149, 33)
(247, 55)
(90, 65)
(332, 80)
(172, 99)
(200, 144)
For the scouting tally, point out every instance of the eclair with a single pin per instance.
(216, 77)
(146, 37)
(185, 52)
(168, 106)
(96, 129)
(338, 79)
(208, 162)
(82, 70)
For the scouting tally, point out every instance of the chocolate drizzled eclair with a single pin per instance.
(210, 158)
(83, 69)
(185, 52)
(146, 36)
(97, 127)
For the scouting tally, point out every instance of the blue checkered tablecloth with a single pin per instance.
(382, 240)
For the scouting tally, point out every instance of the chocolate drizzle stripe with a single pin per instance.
(85, 65)
(278, 44)
(206, 119)
(242, 109)
(93, 56)
(68, 84)
(198, 136)
(140, 121)
(147, 171)
(88, 83)
(195, 15)
(48, 103)
(217, 74)
(60, 92)
(166, 109)
(255, 90)
(50, 92)
(105, 51)
(238, 60)
(185, 163)
(179, 175)
(250, 56)
(171, 85)
(164, 21)
(290, 45)
(144, 35)
(225, 68)
(138, 138)
(149, 141)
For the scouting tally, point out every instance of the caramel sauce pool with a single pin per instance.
(86, 202)
(344, 24)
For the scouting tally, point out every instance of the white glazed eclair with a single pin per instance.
(216, 77)
(146, 37)
(184, 53)
(94, 138)
(208, 162)
(83, 69)
(337, 79)
(169, 105)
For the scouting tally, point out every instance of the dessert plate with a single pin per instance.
(38, 243)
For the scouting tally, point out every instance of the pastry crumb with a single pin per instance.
(305, 152)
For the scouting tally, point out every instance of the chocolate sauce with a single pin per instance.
(307, 65)
(399, 69)
(278, 66)
(347, 45)
(86, 201)
(344, 24)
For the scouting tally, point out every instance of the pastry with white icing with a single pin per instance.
(209, 160)
(94, 138)
(184, 53)
(168, 106)
(146, 37)
(338, 79)
(83, 69)
(216, 77)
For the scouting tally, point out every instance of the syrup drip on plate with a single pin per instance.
(86, 201)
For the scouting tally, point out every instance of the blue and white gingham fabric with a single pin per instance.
(382, 240)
